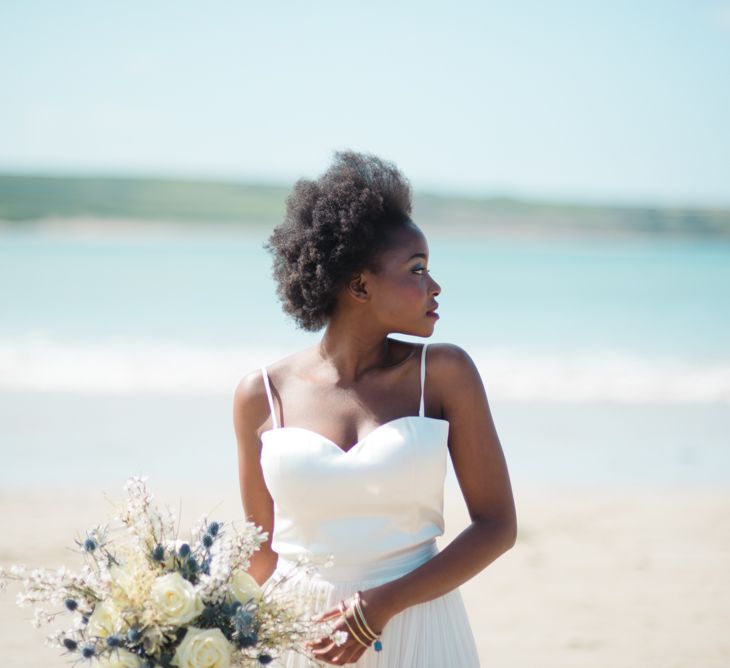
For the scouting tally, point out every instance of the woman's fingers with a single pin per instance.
(325, 649)
(337, 656)
(327, 614)
(350, 655)
(328, 651)
(316, 643)
(321, 651)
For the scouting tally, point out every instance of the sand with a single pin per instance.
(598, 577)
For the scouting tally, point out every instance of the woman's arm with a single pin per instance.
(249, 402)
(481, 471)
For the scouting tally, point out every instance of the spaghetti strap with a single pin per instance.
(265, 375)
(423, 375)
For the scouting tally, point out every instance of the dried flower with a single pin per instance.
(143, 597)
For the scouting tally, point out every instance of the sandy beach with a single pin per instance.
(597, 578)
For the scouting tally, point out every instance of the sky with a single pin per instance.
(613, 102)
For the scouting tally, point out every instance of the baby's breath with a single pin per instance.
(113, 602)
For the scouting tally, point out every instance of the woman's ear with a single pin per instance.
(358, 288)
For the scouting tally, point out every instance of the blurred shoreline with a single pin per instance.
(41, 362)
(63, 440)
(104, 205)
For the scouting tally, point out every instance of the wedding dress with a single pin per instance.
(376, 508)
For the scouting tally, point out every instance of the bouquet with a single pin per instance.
(149, 599)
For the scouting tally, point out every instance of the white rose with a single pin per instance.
(203, 648)
(120, 658)
(245, 587)
(176, 599)
(105, 620)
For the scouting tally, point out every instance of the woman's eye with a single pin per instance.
(422, 269)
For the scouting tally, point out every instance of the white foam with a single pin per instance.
(607, 375)
(41, 363)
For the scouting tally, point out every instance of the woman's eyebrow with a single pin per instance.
(423, 255)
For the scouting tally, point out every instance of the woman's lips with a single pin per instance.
(432, 314)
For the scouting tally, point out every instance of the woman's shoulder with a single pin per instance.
(440, 349)
(450, 363)
(251, 388)
(446, 351)
(446, 363)
(250, 399)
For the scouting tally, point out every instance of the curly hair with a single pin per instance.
(333, 228)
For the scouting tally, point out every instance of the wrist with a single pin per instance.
(382, 601)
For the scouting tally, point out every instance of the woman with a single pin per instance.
(342, 447)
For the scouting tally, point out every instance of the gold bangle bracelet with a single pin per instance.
(352, 632)
(357, 603)
(363, 630)
(378, 643)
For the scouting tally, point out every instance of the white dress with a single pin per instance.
(377, 509)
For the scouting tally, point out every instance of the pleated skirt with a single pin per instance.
(432, 634)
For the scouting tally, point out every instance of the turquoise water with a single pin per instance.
(606, 363)
(648, 297)
(627, 320)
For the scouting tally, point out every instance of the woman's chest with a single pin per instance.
(399, 461)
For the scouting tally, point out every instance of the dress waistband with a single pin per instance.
(389, 567)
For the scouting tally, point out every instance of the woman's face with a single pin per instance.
(403, 292)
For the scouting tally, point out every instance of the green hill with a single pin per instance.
(30, 197)
(36, 197)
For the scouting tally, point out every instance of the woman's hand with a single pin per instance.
(376, 613)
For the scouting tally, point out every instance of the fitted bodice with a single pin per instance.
(381, 498)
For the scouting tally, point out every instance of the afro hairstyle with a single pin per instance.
(334, 227)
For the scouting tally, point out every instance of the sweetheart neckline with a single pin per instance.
(362, 440)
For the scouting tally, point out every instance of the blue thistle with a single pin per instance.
(213, 528)
(90, 545)
(114, 641)
(242, 620)
(208, 614)
(87, 651)
(265, 658)
(70, 644)
(247, 639)
(184, 550)
(71, 604)
(207, 540)
(158, 554)
(134, 635)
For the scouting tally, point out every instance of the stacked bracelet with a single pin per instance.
(364, 633)
(377, 645)
(341, 606)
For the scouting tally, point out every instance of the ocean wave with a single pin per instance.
(40, 363)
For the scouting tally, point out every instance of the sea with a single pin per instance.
(606, 361)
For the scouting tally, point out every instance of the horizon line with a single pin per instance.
(446, 192)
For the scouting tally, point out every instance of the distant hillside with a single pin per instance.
(24, 198)
(36, 197)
